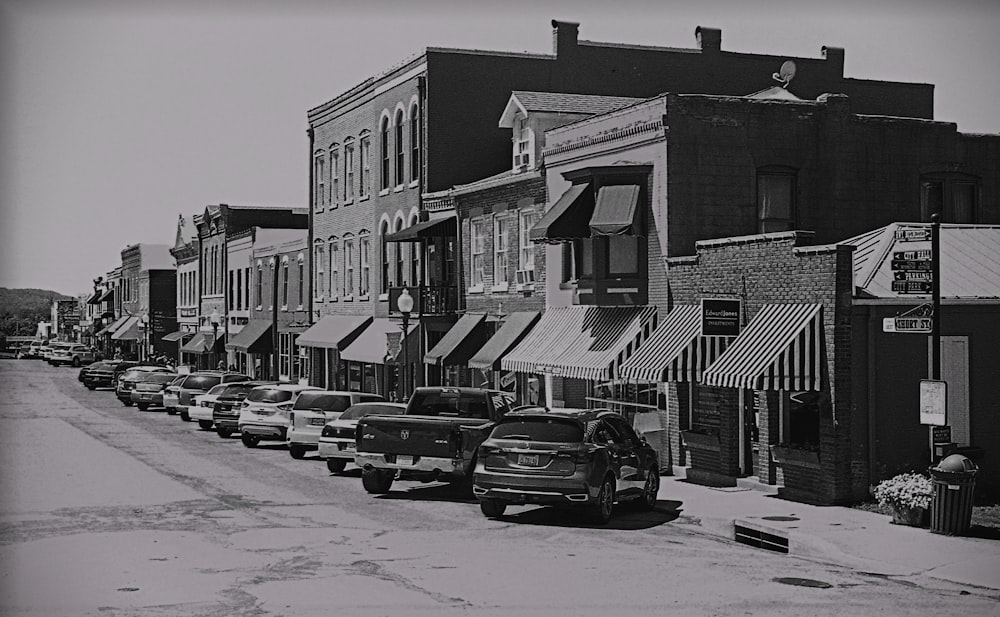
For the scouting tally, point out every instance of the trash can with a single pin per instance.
(953, 480)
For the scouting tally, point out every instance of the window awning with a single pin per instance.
(568, 218)
(113, 326)
(780, 349)
(583, 342)
(459, 343)
(200, 343)
(616, 211)
(95, 297)
(371, 345)
(438, 226)
(333, 331)
(676, 351)
(107, 295)
(175, 336)
(128, 330)
(515, 327)
(255, 337)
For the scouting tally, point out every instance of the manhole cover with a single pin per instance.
(802, 582)
(780, 518)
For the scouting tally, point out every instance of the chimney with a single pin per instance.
(835, 56)
(564, 37)
(709, 39)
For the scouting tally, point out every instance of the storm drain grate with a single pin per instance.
(760, 537)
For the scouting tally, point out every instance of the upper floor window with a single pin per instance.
(348, 266)
(260, 285)
(319, 173)
(349, 172)
(775, 200)
(366, 167)
(954, 196)
(499, 250)
(319, 258)
(231, 296)
(400, 159)
(478, 269)
(334, 263)
(301, 278)
(414, 143)
(384, 151)
(284, 282)
(525, 247)
(364, 281)
(416, 270)
(522, 143)
(334, 176)
(400, 264)
(246, 287)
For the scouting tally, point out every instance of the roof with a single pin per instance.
(970, 260)
(527, 102)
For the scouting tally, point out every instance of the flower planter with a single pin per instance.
(913, 517)
(785, 456)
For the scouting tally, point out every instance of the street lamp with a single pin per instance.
(146, 333)
(405, 305)
(215, 319)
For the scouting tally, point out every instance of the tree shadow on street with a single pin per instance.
(435, 491)
(626, 516)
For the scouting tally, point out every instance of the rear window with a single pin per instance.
(319, 401)
(132, 374)
(217, 390)
(539, 429)
(200, 382)
(159, 377)
(269, 395)
(357, 411)
(449, 403)
(229, 389)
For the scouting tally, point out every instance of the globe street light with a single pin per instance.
(405, 305)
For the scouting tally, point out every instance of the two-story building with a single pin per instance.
(148, 301)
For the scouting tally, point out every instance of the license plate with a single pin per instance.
(317, 421)
(528, 460)
(404, 460)
(146, 397)
(346, 446)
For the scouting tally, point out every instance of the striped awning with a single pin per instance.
(676, 351)
(781, 349)
(114, 326)
(127, 331)
(582, 342)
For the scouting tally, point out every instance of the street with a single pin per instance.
(111, 511)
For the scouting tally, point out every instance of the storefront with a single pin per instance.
(324, 340)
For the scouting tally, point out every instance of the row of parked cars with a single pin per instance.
(471, 437)
(58, 352)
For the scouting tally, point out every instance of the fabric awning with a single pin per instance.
(175, 336)
(436, 227)
(107, 295)
(782, 348)
(200, 343)
(255, 337)
(371, 345)
(128, 330)
(583, 342)
(616, 211)
(95, 297)
(676, 351)
(333, 331)
(515, 327)
(568, 218)
(459, 343)
(113, 326)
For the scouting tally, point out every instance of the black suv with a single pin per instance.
(195, 384)
(106, 375)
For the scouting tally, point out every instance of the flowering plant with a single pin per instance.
(907, 490)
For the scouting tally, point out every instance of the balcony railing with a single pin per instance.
(434, 300)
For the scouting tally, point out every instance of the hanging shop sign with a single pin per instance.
(720, 316)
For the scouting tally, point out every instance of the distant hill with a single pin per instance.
(22, 309)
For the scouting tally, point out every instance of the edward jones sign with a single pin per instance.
(720, 317)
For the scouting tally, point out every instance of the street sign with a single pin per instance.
(911, 287)
(720, 317)
(921, 254)
(913, 235)
(909, 325)
(933, 402)
(912, 275)
(912, 264)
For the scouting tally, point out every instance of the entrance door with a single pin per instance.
(955, 371)
(748, 434)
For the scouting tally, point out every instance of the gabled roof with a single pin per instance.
(970, 260)
(187, 232)
(527, 102)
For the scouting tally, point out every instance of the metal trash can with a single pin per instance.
(954, 481)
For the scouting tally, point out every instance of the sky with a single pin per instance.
(117, 117)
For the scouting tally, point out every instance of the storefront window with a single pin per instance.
(800, 419)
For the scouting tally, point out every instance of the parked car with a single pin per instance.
(127, 380)
(312, 410)
(195, 384)
(226, 411)
(584, 458)
(202, 406)
(82, 375)
(33, 351)
(106, 376)
(337, 440)
(49, 348)
(264, 414)
(73, 354)
(436, 439)
(148, 391)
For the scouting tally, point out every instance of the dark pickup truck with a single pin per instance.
(435, 439)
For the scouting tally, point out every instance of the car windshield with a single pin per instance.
(201, 382)
(323, 401)
(355, 412)
(269, 395)
(133, 374)
(539, 429)
(449, 403)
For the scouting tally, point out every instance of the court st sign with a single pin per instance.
(720, 316)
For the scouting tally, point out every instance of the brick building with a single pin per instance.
(145, 295)
(186, 260)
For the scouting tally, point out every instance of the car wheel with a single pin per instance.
(142, 406)
(172, 410)
(185, 416)
(76, 362)
(224, 433)
(336, 465)
(206, 425)
(127, 403)
(297, 451)
(250, 441)
(605, 502)
(377, 481)
(650, 489)
(492, 508)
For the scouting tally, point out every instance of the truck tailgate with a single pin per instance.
(415, 435)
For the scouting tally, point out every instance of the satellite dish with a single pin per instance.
(785, 73)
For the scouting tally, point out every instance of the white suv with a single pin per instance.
(312, 410)
(264, 414)
(203, 405)
(73, 354)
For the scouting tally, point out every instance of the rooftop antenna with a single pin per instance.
(785, 74)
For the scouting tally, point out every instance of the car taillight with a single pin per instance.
(328, 431)
(246, 403)
(291, 418)
(284, 407)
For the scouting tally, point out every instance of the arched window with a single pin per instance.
(349, 266)
(349, 171)
(400, 163)
(302, 279)
(384, 151)
(284, 282)
(319, 176)
(260, 285)
(366, 166)
(319, 259)
(400, 267)
(414, 143)
(334, 175)
(364, 254)
(383, 231)
(333, 248)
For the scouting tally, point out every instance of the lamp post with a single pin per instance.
(405, 305)
(215, 319)
(145, 333)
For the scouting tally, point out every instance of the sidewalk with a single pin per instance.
(854, 538)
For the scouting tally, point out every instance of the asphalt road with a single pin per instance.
(110, 511)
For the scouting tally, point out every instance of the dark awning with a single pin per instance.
(616, 211)
(567, 219)
(113, 326)
(255, 337)
(459, 343)
(372, 344)
(107, 295)
(175, 336)
(436, 227)
(333, 331)
(200, 343)
(515, 327)
(95, 297)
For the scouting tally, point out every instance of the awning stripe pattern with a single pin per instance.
(676, 351)
(515, 327)
(128, 331)
(781, 349)
(582, 342)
